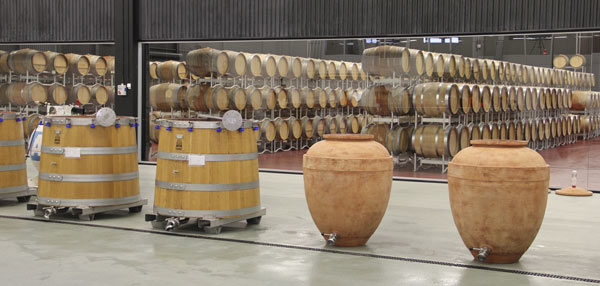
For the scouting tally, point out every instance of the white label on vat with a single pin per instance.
(72, 152)
(196, 160)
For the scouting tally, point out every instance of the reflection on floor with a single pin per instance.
(583, 156)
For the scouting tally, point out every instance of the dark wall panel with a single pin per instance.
(24, 21)
(273, 19)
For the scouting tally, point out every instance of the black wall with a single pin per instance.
(275, 19)
(47, 21)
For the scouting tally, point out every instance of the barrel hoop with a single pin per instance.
(88, 177)
(205, 213)
(75, 121)
(92, 150)
(88, 202)
(8, 143)
(10, 115)
(13, 189)
(206, 187)
(209, 157)
(14, 167)
(197, 124)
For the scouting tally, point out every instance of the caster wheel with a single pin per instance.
(135, 209)
(213, 230)
(89, 217)
(23, 199)
(254, 220)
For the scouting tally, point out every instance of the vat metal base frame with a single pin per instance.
(82, 212)
(207, 222)
(21, 193)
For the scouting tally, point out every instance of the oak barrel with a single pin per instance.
(13, 170)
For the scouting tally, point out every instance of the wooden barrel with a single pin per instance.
(352, 124)
(484, 70)
(30, 124)
(4, 68)
(320, 68)
(343, 70)
(520, 98)
(331, 125)
(195, 178)
(255, 98)
(153, 126)
(341, 124)
(354, 96)
(295, 127)
(503, 126)
(354, 71)
(460, 66)
(519, 130)
(294, 97)
(464, 136)
(539, 128)
(236, 63)
(307, 97)
(496, 98)
(282, 129)
(569, 125)
(560, 61)
(559, 98)
(308, 68)
(468, 68)
(282, 65)
(99, 94)
(475, 98)
(22, 94)
(485, 129)
(13, 170)
(476, 70)
(4, 100)
(464, 91)
(398, 139)
(501, 72)
(474, 131)
(433, 141)
(580, 99)
(512, 131)
(486, 98)
(110, 64)
(554, 98)
(163, 97)
(528, 98)
(379, 131)
(57, 63)
(171, 70)
(295, 67)
(435, 99)
(194, 97)
(577, 61)
(152, 70)
(217, 98)
(495, 130)
(206, 61)
(331, 97)
(416, 62)
(101, 160)
(429, 64)
(341, 97)
(98, 65)
(267, 130)
(399, 100)
(268, 65)
(78, 64)
(282, 97)
(318, 126)
(541, 97)
(375, 100)
(547, 128)
(321, 96)
(27, 61)
(526, 130)
(534, 123)
(253, 65)
(308, 130)
(553, 127)
(237, 97)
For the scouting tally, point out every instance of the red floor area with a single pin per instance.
(584, 156)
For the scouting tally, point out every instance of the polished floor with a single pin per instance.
(416, 244)
(583, 156)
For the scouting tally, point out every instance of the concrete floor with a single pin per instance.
(287, 248)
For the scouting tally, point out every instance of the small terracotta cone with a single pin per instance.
(573, 191)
